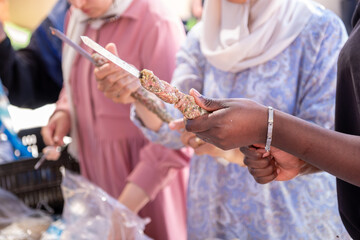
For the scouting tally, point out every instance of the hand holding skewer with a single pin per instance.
(122, 87)
(49, 153)
(100, 62)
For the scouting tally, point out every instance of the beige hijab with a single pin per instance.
(235, 37)
(76, 27)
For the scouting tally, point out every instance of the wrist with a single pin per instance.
(133, 197)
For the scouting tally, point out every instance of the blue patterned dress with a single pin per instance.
(224, 202)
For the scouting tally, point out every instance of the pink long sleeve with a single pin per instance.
(158, 165)
(111, 149)
(158, 52)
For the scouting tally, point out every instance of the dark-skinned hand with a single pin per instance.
(231, 123)
(116, 83)
(276, 165)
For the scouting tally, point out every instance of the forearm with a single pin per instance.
(148, 119)
(133, 197)
(328, 150)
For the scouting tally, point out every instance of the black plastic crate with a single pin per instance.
(31, 137)
(37, 188)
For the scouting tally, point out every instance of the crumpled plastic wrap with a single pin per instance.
(18, 221)
(91, 214)
(54, 231)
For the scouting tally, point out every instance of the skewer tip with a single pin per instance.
(84, 39)
(52, 30)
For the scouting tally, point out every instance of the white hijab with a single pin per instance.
(76, 27)
(235, 37)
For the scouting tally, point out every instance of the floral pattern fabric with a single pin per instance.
(224, 202)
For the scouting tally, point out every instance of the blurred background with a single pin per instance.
(22, 16)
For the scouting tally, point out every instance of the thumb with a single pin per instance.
(208, 104)
(59, 135)
(111, 47)
(177, 124)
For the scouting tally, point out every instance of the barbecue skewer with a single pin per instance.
(163, 90)
(184, 102)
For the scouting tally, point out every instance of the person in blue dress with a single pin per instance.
(307, 145)
(279, 53)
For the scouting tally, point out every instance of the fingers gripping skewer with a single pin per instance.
(185, 103)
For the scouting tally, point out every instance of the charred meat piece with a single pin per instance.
(143, 96)
(184, 102)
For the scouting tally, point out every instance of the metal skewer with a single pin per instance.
(67, 40)
(43, 157)
(141, 94)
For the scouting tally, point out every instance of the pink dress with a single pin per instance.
(112, 151)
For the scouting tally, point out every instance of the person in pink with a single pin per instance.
(112, 151)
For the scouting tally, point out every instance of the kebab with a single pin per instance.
(163, 90)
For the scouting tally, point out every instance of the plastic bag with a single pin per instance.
(54, 231)
(18, 221)
(90, 213)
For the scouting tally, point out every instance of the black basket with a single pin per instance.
(31, 137)
(37, 188)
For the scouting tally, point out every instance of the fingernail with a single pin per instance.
(278, 171)
(195, 92)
